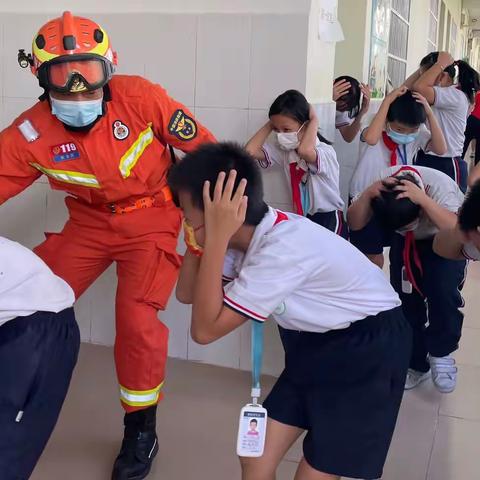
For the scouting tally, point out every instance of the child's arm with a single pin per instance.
(224, 215)
(255, 144)
(306, 150)
(410, 81)
(424, 85)
(437, 144)
(349, 132)
(373, 133)
(360, 211)
(449, 243)
(440, 216)
(187, 278)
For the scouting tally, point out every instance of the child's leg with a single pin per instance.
(37, 357)
(413, 306)
(443, 280)
(306, 472)
(279, 439)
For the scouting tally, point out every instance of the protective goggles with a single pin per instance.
(75, 73)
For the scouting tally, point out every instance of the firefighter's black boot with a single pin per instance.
(139, 446)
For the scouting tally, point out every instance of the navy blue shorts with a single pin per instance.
(344, 387)
(455, 167)
(333, 221)
(37, 357)
(372, 238)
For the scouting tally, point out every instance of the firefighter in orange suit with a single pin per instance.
(105, 140)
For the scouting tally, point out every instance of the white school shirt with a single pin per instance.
(373, 159)
(471, 252)
(27, 285)
(342, 119)
(305, 276)
(451, 108)
(322, 179)
(440, 188)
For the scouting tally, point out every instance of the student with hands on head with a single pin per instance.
(339, 318)
(449, 86)
(352, 100)
(394, 138)
(413, 204)
(308, 159)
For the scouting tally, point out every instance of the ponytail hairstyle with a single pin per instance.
(468, 77)
(293, 104)
(352, 98)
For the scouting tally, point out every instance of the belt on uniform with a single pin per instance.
(164, 196)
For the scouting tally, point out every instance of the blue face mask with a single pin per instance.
(401, 138)
(77, 114)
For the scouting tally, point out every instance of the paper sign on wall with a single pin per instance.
(329, 28)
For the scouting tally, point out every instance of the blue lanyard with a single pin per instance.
(257, 356)
(403, 158)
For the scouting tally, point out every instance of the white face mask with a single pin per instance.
(288, 140)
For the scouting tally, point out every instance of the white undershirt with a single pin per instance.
(27, 285)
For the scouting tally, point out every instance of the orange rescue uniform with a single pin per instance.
(120, 210)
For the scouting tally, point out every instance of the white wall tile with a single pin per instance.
(22, 218)
(226, 123)
(19, 31)
(83, 314)
(223, 61)
(177, 319)
(12, 108)
(224, 352)
(56, 212)
(174, 65)
(102, 295)
(279, 56)
(256, 120)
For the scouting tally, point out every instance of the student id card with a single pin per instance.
(252, 430)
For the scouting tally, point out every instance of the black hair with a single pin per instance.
(254, 420)
(352, 97)
(394, 213)
(468, 77)
(405, 109)
(469, 214)
(293, 104)
(206, 163)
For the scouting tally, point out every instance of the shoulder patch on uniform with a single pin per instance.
(120, 130)
(182, 126)
(28, 131)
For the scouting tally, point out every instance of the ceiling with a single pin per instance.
(473, 6)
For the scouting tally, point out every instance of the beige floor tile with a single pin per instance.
(464, 402)
(469, 351)
(456, 453)
(197, 425)
(472, 299)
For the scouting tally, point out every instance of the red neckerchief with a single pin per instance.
(296, 175)
(409, 248)
(392, 146)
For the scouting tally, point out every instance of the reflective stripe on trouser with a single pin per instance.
(140, 398)
(130, 158)
(147, 268)
(67, 176)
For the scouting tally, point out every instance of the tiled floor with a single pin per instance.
(437, 437)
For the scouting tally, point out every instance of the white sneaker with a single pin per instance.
(415, 378)
(444, 373)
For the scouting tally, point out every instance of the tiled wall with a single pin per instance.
(227, 69)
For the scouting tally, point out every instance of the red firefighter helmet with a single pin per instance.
(72, 54)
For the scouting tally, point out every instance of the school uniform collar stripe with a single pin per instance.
(244, 311)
